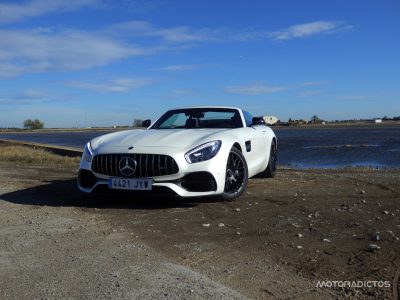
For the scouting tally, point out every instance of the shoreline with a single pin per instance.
(300, 126)
(76, 152)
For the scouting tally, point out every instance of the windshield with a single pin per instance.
(199, 118)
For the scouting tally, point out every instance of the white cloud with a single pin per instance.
(255, 89)
(178, 68)
(171, 35)
(181, 93)
(46, 49)
(12, 12)
(259, 88)
(310, 29)
(8, 70)
(186, 34)
(26, 51)
(308, 93)
(119, 85)
(313, 83)
(34, 96)
(141, 6)
(355, 97)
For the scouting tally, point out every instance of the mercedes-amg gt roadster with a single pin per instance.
(198, 151)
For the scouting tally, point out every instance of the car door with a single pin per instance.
(256, 145)
(256, 148)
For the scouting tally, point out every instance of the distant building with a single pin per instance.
(301, 121)
(271, 120)
(377, 120)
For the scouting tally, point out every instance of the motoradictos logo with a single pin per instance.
(353, 284)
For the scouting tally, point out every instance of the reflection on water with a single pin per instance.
(376, 146)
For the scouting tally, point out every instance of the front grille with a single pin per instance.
(148, 165)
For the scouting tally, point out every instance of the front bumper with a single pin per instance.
(193, 180)
(193, 184)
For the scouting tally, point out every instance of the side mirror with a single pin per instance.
(146, 123)
(257, 121)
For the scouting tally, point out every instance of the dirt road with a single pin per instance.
(277, 241)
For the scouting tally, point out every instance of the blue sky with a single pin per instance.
(103, 62)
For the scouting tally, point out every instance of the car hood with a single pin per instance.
(176, 138)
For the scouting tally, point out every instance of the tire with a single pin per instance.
(270, 170)
(236, 175)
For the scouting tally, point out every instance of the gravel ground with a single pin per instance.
(276, 241)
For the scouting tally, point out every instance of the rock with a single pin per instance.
(238, 233)
(385, 212)
(315, 215)
(373, 248)
(299, 235)
(326, 240)
(221, 225)
(375, 236)
(362, 192)
(363, 201)
(356, 224)
(237, 209)
(206, 225)
(299, 247)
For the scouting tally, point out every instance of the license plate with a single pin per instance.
(135, 184)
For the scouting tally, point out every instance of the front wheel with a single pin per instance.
(236, 176)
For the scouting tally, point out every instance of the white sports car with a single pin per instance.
(198, 151)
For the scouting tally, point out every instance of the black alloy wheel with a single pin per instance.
(236, 176)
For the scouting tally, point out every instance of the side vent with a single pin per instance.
(248, 146)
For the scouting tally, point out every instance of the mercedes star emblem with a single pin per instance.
(127, 166)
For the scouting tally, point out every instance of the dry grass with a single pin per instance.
(30, 155)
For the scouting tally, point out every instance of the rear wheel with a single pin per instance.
(236, 175)
(270, 170)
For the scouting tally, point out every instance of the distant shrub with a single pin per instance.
(33, 124)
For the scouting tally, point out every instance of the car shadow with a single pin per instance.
(64, 193)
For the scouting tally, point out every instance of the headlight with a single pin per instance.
(203, 152)
(87, 152)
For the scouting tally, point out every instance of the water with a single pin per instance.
(300, 147)
(375, 146)
(70, 139)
